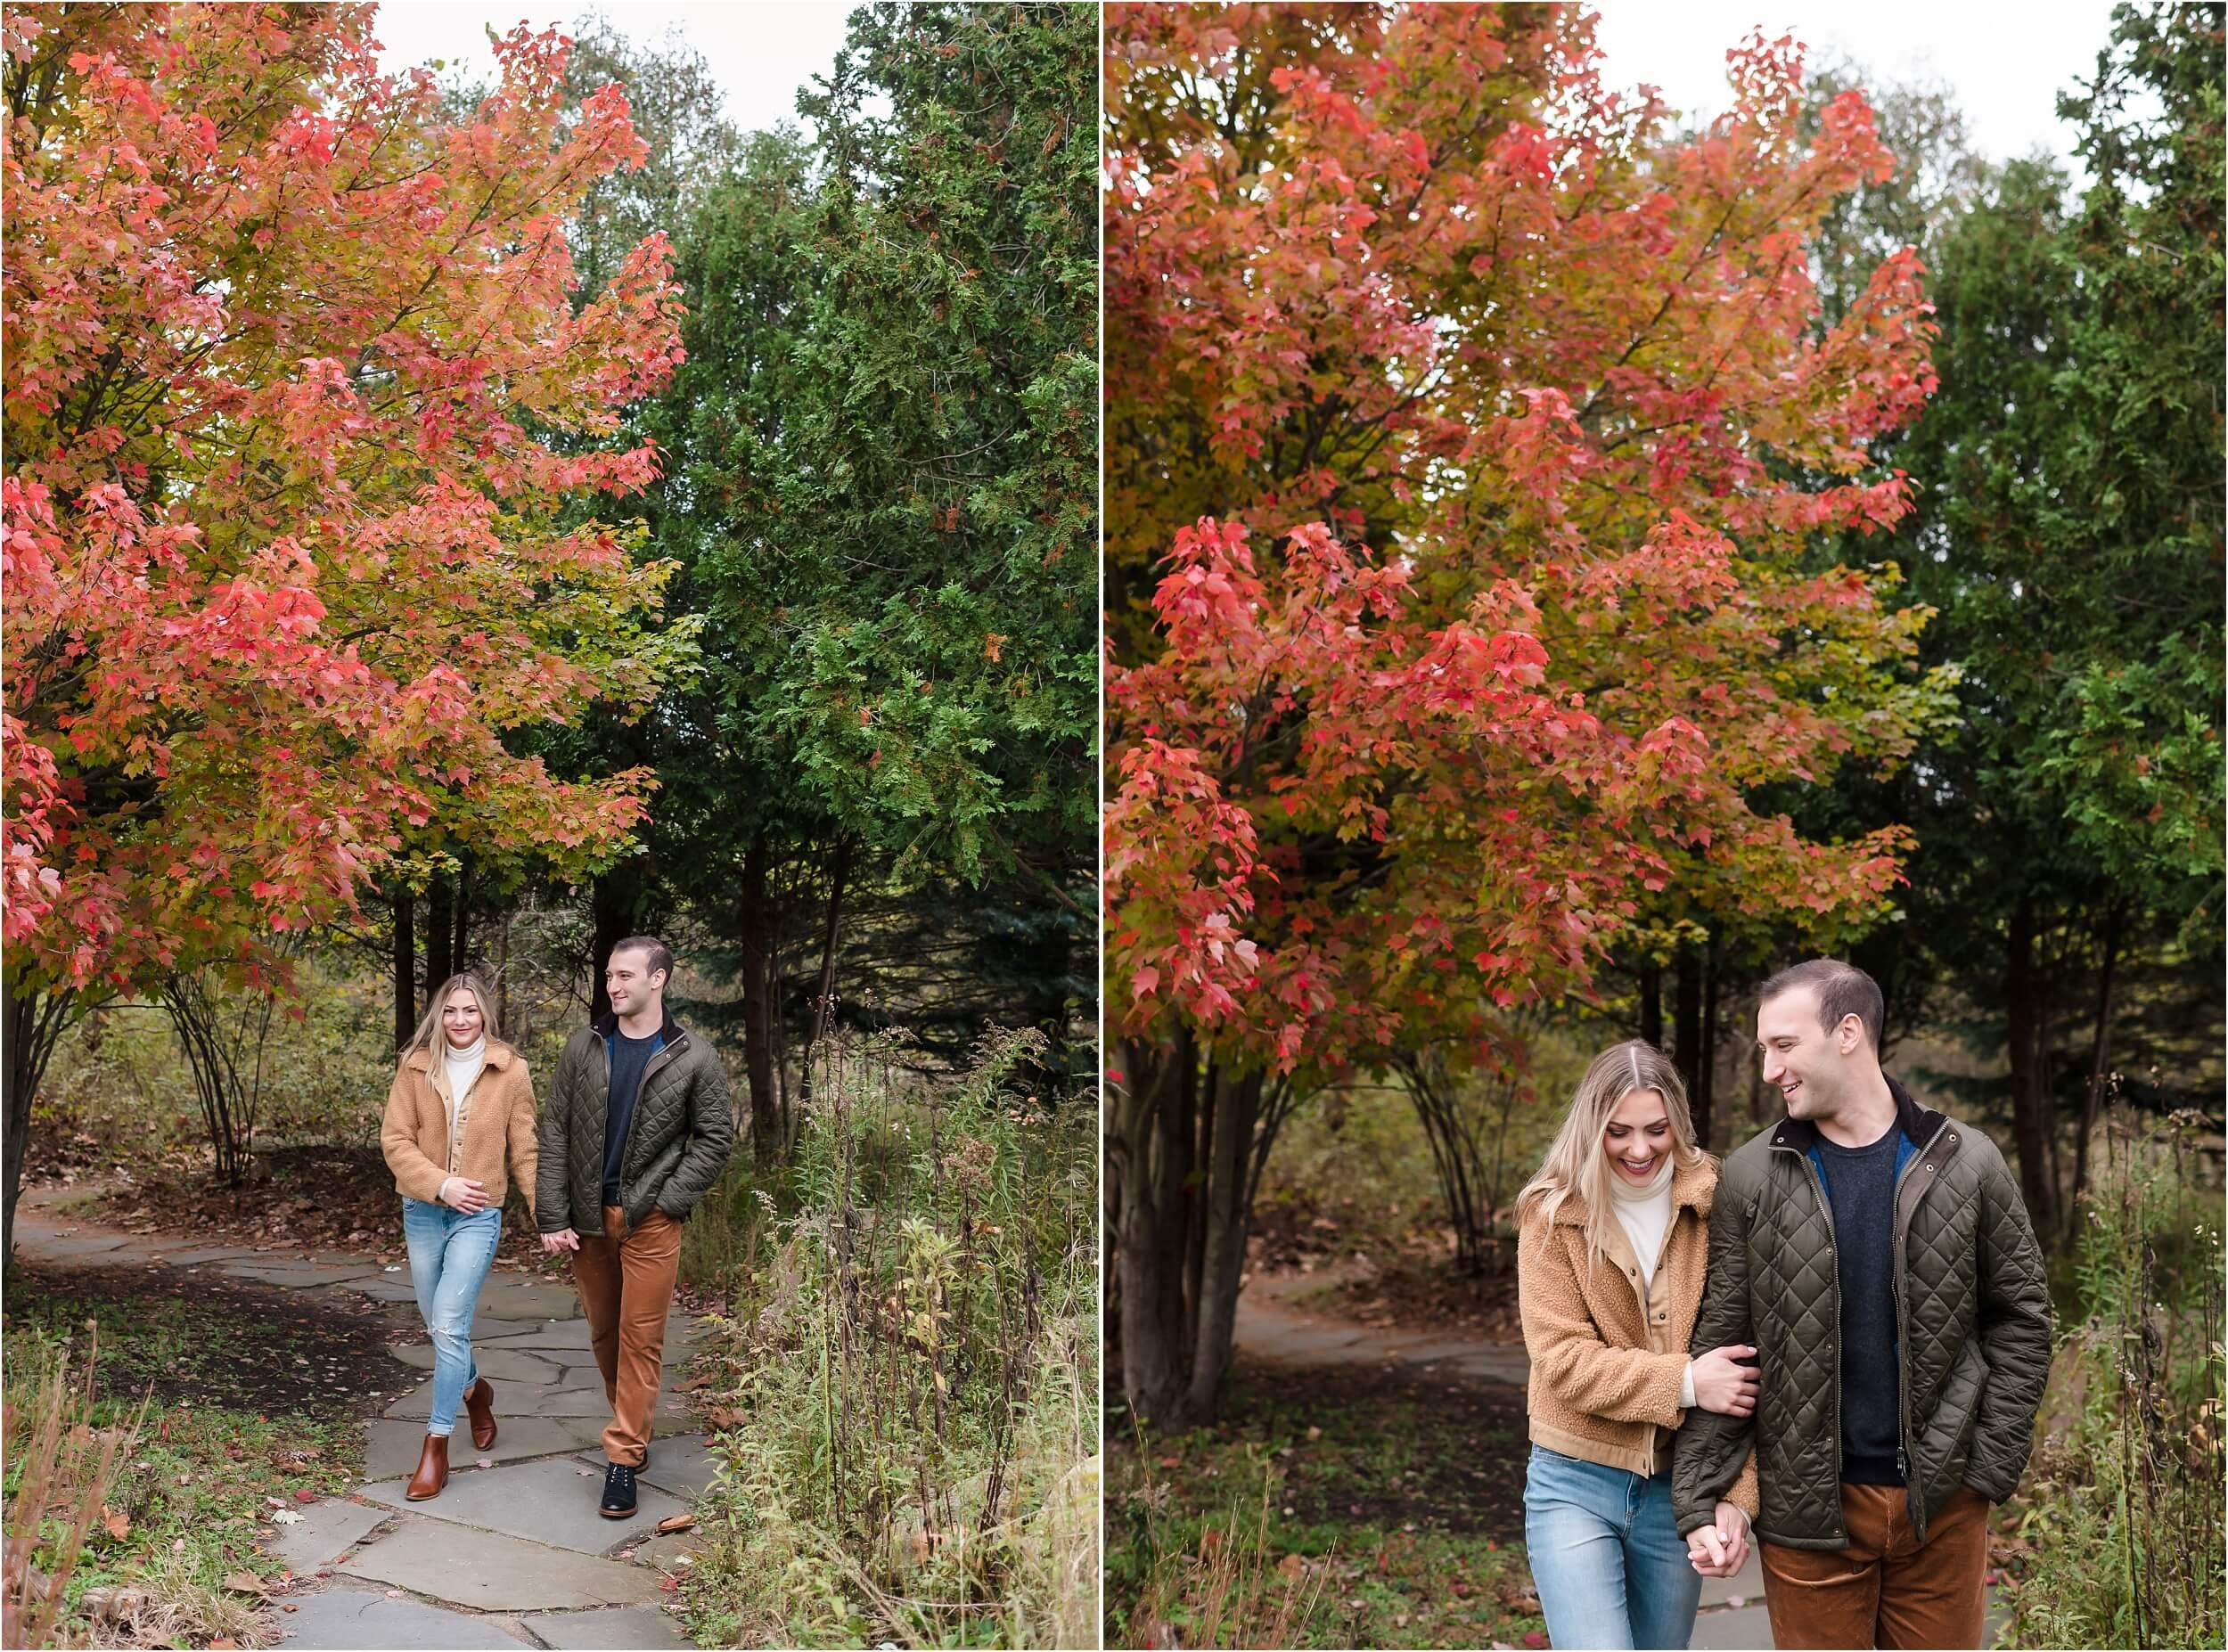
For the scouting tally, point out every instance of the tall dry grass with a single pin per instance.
(61, 1468)
(2126, 1497)
(909, 1382)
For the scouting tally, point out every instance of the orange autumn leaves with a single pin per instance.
(1468, 434)
(295, 393)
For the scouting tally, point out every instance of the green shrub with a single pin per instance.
(2124, 1510)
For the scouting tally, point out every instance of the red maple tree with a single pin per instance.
(1480, 430)
(296, 403)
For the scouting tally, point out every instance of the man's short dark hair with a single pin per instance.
(660, 955)
(1843, 989)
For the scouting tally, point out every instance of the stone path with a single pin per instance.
(1271, 1328)
(513, 1553)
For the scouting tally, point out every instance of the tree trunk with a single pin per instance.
(460, 943)
(1237, 1112)
(1187, 1142)
(1652, 1003)
(615, 905)
(1706, 1075)
(440, 935)
(36, 1020)
(1148, 1145)
(405, 969)
(2099, 1051)
(2023, 1037)
(824, 1001)
(755, 934)
(1692, 1057)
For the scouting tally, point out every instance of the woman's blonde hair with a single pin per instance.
(1574, 1162)
(430, 1028)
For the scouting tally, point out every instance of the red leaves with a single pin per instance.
(1485, 434)
(327, 321)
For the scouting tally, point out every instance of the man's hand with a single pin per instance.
(1720, 1549)
(564, 1238)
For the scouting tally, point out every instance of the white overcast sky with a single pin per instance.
(2007, 64)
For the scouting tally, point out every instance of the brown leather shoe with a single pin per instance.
(432, 1473)
(480, 1403)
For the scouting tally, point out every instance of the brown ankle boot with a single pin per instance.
(480, 1403)
(432, 1469)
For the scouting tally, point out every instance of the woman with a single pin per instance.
(459, 1129)
(1612, 1237)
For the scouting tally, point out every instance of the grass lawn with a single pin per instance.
(1341, 1507)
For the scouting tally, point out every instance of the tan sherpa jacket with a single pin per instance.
(1608, 1356)
(494, 1139)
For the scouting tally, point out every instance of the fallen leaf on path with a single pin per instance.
(305, 1497)
(589, 1472)
(485, 1462)
(246, 1583)
(115, 1521)
(676, 1523)
(287, 1517)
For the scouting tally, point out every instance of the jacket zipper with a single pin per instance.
(1825, 1206)
(1913, 1505)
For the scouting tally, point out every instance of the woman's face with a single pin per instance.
(1638, 1137)
(461, 1018)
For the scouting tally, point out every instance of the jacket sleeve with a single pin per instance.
(1714, 1454)
(2015, 1332)
(414, 1174)
(711, 1137)
(525, 1148)
(1568, 1356)
(553, 1205)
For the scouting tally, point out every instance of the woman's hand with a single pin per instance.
(1720, 1549)
(461, 1194)
(1722, 1384)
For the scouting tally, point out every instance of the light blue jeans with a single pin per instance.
(450, 1253)
(1607, 1557)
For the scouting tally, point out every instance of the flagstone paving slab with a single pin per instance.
(549, 1500)
(496, 1364)
(1739, 1629)
(683, 1466)
(344, 1616)
(495, 1572)
(391, 1448)
(614, 1627)
(325, 1530)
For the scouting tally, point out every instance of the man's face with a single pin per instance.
(1805, 1061)
(629, 982)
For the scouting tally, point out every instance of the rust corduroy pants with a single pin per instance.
(626, 1279)
(1884, 1590)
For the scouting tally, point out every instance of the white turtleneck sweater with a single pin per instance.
(1644, 1213)
(463, 1067)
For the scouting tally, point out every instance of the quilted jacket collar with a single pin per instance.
(669, 1033)
(1918, 1122)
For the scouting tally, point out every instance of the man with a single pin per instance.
(1878, 1256)
(635, 1131)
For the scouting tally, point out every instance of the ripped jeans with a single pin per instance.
(450, 1253)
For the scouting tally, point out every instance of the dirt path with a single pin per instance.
(514, 1553)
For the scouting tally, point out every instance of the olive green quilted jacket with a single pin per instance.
(1972, 1305)
(677, 1139)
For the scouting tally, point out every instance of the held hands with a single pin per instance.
(462, 1194)
(1720, 1549)
(564, 1238)
(1722, 1384)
